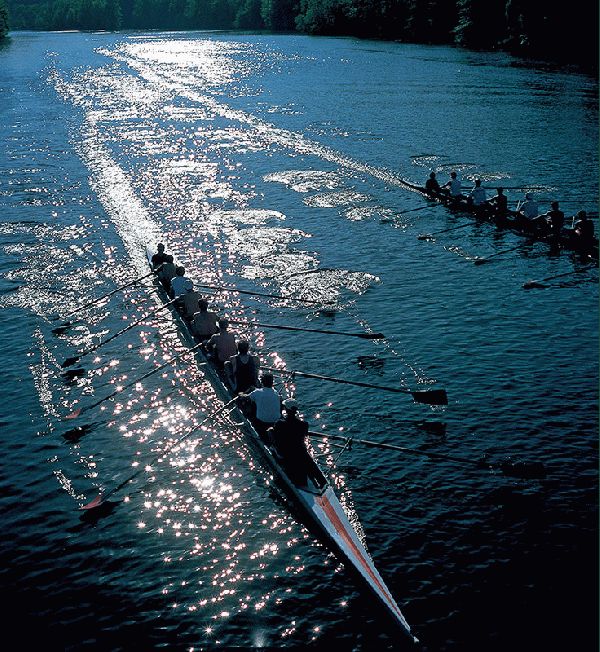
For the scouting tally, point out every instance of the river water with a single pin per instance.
(276, 164)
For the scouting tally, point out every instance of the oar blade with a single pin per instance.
(69, 362)
(534, 284)
(74, 414)
(59, 330)
(525, 470)
(425, 236)
(480, 261)
(431, 397)
(93, 504)
(371, 336)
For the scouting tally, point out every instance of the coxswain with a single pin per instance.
(266, 404)
(242, 369)
(204, 322)
(432, 187)
(159, 257)
(180, 284)
(222, 344)
(454, 186)
(288, 436)
(477, 197)
(167, 272)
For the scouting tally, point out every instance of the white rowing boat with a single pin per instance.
(320, 506)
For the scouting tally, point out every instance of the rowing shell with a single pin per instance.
(568, 239)
(321, 508)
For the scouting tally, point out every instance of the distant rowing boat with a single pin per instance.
(567, 239)
(321, 509)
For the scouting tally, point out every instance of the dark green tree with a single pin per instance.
(3, 20)
(280, 15)
(481, 25)
(249, 15)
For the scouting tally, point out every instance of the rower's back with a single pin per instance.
(167, 272)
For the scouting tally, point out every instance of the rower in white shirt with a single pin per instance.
(477, 196)
(529, 208)
(454, 185)
(180, 284)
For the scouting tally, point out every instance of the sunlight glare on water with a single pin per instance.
(275, 164)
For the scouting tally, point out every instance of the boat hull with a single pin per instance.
(512, 222)
(320, 508)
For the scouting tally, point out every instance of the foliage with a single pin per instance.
(3, 20)
(544, 30)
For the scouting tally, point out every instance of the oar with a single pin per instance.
(515, 187)
(364, 336)
(71, 361)
(412, 210)
(262, 294)
(426, 236)
(431, 397)
(101, 498)
(540, 283)
(529, 470)
(61, 329)
(79, 411)
(480, 261)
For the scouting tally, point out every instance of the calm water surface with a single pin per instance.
(275, 163)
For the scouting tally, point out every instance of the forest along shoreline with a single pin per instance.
(526, 29)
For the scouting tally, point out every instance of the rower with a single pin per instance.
(167, 272)
(266, 404)
(454, 186)
(554, 220)
(288, 437)
(190, 303)
(499, 206)
(242, 369)
(180, 284)
(583, 232)
(477, 197)
(583, 227)
(527, 211)
(222, 344)
(432, 187)
(204, 322)
(159, 257)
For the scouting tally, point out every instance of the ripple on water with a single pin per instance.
(200, 547)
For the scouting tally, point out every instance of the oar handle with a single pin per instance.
(342, 381)
(99, 500)
(127, 328)
(135, 382)
(452, 228)
(403, 449)
(109, 294)
(263, 294)
(430, 397)
(364, 336)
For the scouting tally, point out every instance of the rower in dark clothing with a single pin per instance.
(584, 227)
(552, 222)
(583, 232)
(242, 369)
(499, 206)
(432, 187)
(288, 436)
(160, 257)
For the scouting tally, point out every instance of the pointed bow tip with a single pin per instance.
(92, 504)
